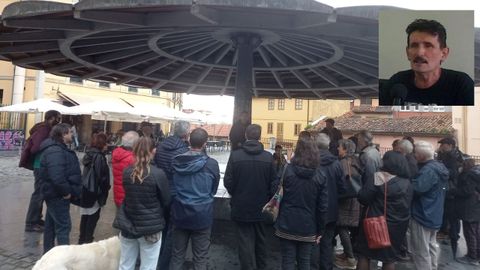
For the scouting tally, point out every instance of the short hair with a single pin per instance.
(129, 138)
(253, 132)
(425, 149)
(51, 114)
(322, 140)
(198, 137)
(58, 131)
(432, 27)
(181, 129)
(406, 146)
(366, 136)
(348, 145)
(395, 143)
(99, 140)
(331, 121)
(278, 146)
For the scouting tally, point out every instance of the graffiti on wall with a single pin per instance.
(11, 139)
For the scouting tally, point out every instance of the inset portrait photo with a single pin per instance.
(426, 57)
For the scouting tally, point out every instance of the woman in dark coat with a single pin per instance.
(301, 220)
(395, 173)
(467, 201)
(348, 208)
(141, 217)
(91, 203)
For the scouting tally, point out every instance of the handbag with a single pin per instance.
(352, 184)
(272, 207)
(376, 229)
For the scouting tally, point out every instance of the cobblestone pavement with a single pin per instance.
(20, 250)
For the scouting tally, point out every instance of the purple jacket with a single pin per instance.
(38, 134)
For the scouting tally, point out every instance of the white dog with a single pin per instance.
(102, 255)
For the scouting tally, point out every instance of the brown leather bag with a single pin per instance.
(376, 229)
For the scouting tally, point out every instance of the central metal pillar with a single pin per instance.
(245, 43)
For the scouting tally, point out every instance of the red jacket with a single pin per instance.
(121, 159)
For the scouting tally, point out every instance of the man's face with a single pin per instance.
(424, 52)
(329, 125)
(55, 120)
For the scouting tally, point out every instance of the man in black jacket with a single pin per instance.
(172, 146)
(249, 178)
(332, 169)
(60, 178)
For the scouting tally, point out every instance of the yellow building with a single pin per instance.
(467, 132)
(283, 119)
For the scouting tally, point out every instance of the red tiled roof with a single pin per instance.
(440, 123)
(217, 130)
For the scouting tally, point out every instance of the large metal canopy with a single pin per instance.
(268, 48)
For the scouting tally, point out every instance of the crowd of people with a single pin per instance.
(164, 194)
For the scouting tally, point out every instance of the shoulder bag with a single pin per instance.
(272, 207)
(376, 229)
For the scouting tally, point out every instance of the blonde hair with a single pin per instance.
(142, 152)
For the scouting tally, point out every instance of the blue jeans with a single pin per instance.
(57, 223)
(129, 252)
(295, 251)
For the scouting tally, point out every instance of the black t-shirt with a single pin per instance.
(453, 88)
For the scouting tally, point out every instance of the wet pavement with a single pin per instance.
(20, 249)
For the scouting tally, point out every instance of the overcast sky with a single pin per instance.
(224, 105)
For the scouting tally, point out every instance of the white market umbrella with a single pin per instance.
(154, 112)
(37, 106)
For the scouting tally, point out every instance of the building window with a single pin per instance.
(366, 101)
(270, 128)
(281, 104)
(271, 104)
(104, 84)
(155, 92)
(296, 130)
(77, 80)
(298, 104)
(132, 89)
(1, 96)
(280, 131)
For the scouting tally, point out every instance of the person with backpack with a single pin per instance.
(96, 184)
(30, 159)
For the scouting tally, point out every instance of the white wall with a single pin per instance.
(393, 39)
